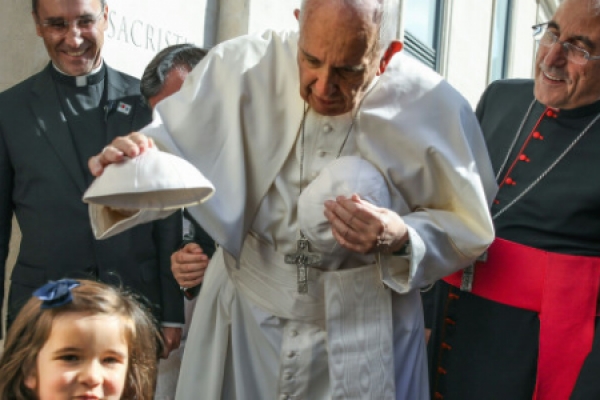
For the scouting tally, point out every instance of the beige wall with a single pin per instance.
(466, 38)
(522, 52)
(14, 248)
(15, 65)
(466, 52)
(22, 51)
(138, 29)
(276, 15)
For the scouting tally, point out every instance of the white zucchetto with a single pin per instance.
(154, 181)
(344, 176)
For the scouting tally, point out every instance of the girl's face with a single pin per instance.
(85, 358)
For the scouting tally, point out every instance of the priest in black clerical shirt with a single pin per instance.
(50, 124)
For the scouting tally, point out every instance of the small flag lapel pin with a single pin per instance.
(124, 108)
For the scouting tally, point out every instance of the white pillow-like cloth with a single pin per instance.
(344, 176)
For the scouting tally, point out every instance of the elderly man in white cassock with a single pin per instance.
(306, 304)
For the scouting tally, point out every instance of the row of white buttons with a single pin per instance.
(288, 375)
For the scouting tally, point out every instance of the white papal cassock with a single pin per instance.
(358, 333)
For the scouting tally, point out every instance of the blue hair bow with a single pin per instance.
(56, 293)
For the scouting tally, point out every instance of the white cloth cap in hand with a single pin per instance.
(154, 180)
(151, 186)
(342, 177)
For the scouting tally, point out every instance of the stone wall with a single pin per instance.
(14, 248)
(15, 65)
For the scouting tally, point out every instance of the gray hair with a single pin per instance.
(384, 16)
(595, 6)
(183, 55)
(34, 5)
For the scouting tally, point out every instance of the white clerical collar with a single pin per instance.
(81, 81)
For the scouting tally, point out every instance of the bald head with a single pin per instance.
(379, 13)
(371, 9)
(593, 6)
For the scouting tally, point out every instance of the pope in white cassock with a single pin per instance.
(303, 305)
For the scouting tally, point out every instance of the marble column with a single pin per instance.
(233, 19)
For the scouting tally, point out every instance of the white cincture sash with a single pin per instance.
(352, 305)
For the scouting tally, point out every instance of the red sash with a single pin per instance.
(563, 289)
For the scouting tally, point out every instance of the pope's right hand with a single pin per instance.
(130, 146)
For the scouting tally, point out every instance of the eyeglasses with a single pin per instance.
(60, 26)
(548, 38)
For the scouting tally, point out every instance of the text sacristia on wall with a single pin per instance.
(138, 29)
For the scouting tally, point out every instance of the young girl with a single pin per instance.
(80, 339)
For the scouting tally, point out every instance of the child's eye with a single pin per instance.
(69, 357)
(112, 360)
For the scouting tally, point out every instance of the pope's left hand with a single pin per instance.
(171, 340)
(362, 227)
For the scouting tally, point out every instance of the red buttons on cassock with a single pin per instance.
(523, 157)
(537, 135)
(496, 201)
(450, 321)
(442, 371)
(438, 396)
(510, 181)
(453, 296)
(446, 346)
(550, 113)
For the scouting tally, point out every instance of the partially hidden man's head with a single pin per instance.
(564, 77)
(343, 45)
(73, 32)
(165, 74)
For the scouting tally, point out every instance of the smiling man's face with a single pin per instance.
(76, 50)
(560, 83)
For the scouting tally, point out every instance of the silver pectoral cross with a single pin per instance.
(303, 258)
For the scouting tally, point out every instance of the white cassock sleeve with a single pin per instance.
(424, 137)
